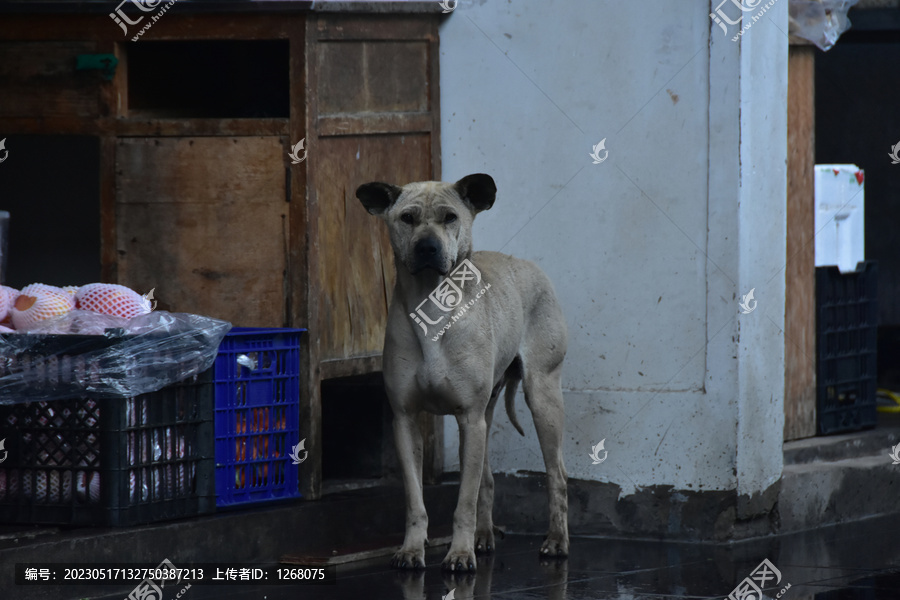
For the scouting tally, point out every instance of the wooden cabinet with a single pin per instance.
(199, 197)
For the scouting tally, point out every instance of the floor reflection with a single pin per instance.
(859, 561)
(553, 574)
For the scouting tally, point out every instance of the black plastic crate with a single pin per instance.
(846, 342)
(119, 461)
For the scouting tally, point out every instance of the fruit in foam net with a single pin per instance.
(111, 299)
(38, 302)
(10, 294)
(40, 287)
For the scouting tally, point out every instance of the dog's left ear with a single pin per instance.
(479, 190)
(377, 197)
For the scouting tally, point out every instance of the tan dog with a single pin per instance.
(461, 326)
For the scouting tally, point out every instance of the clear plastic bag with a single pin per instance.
(820, 21)
(84, 354)
(77, 322)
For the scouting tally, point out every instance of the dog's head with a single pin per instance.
(430, 222)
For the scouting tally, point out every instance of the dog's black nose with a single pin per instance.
(427, 248)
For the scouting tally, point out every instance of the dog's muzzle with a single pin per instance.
(427, 255)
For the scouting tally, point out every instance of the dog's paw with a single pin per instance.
(409, 559)
(555, 546)
(484, 541)
(459, 560)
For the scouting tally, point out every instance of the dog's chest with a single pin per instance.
(448, 384)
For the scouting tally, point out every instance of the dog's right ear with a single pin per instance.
(377, 197)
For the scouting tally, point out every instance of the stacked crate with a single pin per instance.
(257, 383)
(110, 461)
(846, 338)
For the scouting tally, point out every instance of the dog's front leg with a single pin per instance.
(472, 437)
(408, 439)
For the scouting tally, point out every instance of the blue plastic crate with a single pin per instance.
(257, 392)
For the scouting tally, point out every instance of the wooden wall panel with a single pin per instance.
(172, 25)
(204, 221)
(800, 292)
(39, 80)
(355, 259)
(372, 76)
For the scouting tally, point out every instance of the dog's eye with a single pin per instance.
(407, 218)
(449, 218)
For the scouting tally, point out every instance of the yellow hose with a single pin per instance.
(893, 396)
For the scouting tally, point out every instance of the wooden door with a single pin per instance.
(372, 115)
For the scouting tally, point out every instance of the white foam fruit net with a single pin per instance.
(38, 302)
(111, 299)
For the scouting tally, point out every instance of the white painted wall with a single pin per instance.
(651, 250)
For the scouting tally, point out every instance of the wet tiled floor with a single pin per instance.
(850, 562)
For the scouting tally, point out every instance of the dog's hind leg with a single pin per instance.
(484, 531)
(543, 394)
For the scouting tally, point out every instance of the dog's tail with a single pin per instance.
(513, 377)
